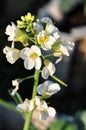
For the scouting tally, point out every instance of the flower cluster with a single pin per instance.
(40, 39)
(46, 89)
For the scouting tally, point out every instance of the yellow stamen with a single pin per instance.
(34, 55)
(43, 40)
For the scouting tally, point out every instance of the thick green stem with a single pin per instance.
(36, 79)
(29, 115)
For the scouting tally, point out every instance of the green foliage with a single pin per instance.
(62, 124)
(80, 119)
(32, 127)
(56, 45)
(67, 5)
(77, 123)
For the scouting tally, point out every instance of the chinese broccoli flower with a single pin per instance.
(15, 83)
(48, 88)
(26, 106)
(43, 110)
(12, 54)
(11, 31)
(46, 41)
(48, 69)
(31, 57)
(63, 49)
(39, 105)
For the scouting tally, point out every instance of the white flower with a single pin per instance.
(46, 41)
(37, 26)
(15, 83)
(51, 29)
(11, 31)
(27, 106)
(63, 49)
(48, 69)
(31, 57)
(68, 45)
(12, 54)
(48, 88)
(46, 20)
(43, 109)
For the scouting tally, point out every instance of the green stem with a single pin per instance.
(49, 55)
(58, 80)
(29, 77)
(36, 79)
(29, 115)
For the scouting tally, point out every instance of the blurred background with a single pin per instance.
(70, 18)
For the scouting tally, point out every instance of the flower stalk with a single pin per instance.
(29, 115)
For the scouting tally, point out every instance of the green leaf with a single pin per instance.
(62, 124)
(55, 45)
(58, 125)
(80, 119)
(71, 126)
(32, 127)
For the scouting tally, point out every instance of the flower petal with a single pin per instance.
(38, 63)
(28, 64)
(36, 49)
(53, 88)
(45, 73)
(12, 54)
(64, 50)
(51, 68)
(51, 112)
(25, 53)
(48, 88)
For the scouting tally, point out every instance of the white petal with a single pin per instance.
(47, 20)
(40, 89)
(27, 105)
(31, 105)
(10, 30)
(58, 60)
(44, 86)
(41, 34)
(56, 35)
(45, 73)
(51, 112)
(28, 63)
(51, 68)
(6, 49)
(38, 63)
(36, 50)
(21, 107)
(16, 84)
(64, 50)
(49, 43)
(12, 55)
(47, 83)
(54, 88)
(51, 29)
(25, 53)
(48, 88)
(69, 45)
(37, 101)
